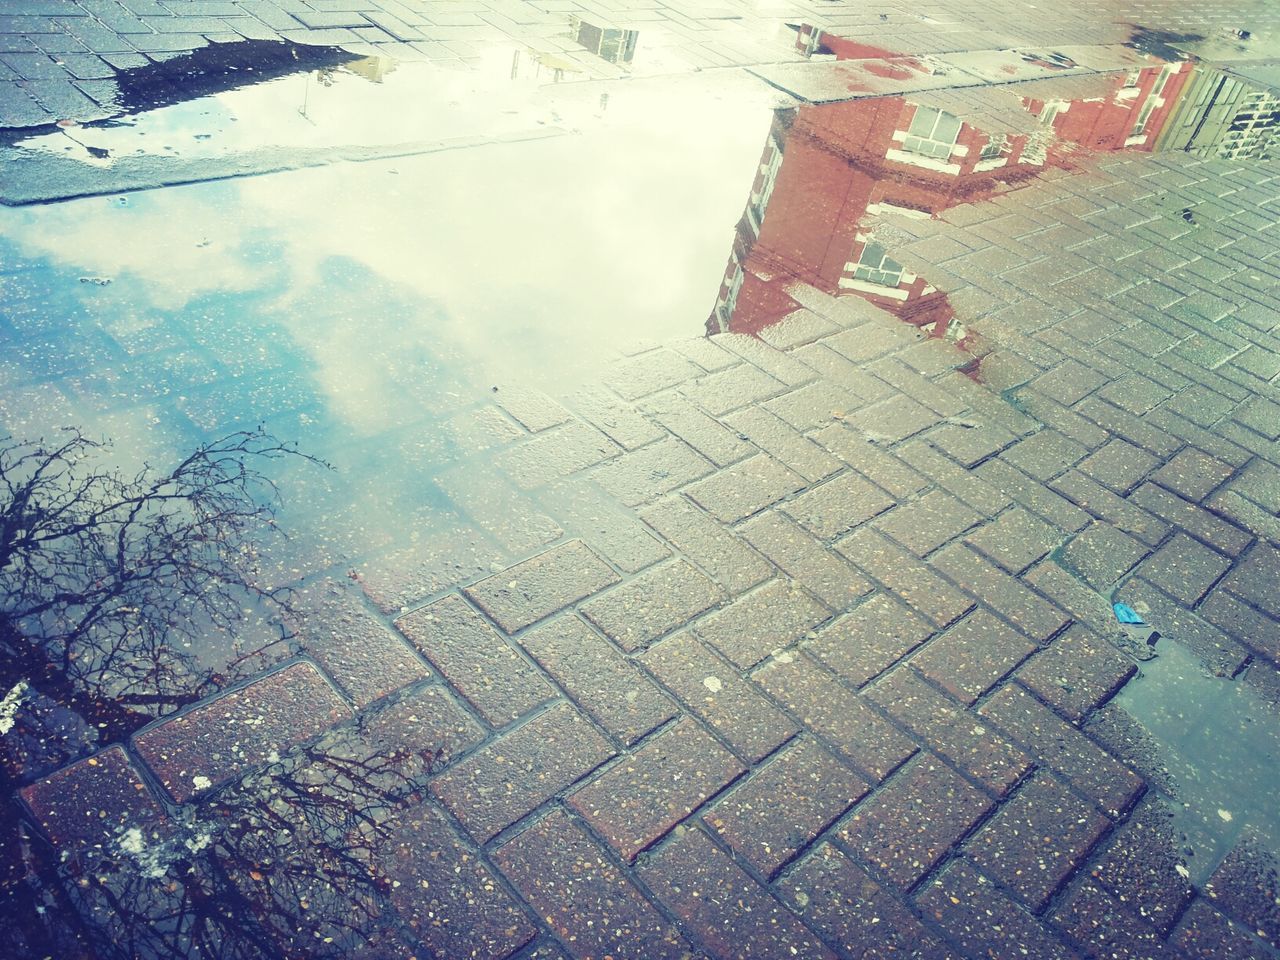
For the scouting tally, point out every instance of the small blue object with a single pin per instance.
(1126, 614)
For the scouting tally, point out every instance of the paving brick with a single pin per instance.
(652, 604)
(515, 774)
(774, 814)
(722, 554)
(527, 592)
(1114, 469)
(1118, 465)
(510, 518)
(427, 718)
(877, 465)
(219, 740)
(1005, 595)
(648, 373)
(556, 452)
(746, 488)
(757, 351)
(1139, 866)
(830, 710)
(725, 909)
(1101, 555)
(1219, 651)
(905, 576)
(1015, 540)
(701, 432)
(970, 486)
(367, 660)
(645, 795)
(927, 523)
(1254, 580)
(582, 896)
(910, 824)
(892, 419)
(1045, 455)
(1243, 623)
(618, 420)
(761, 622)
(1068, 382)
(606, 685)
(1104, 928)
(832, 508)
(1102, 503)
(1184, 569)
(481, 665)
(531, 408)
(807, 561)
(779, 440)
(587, 512)
(446, 894)
(1193, 474)
(973, 656)
(855, 912)
(1076, 672)
(718, 393)
(651, 471)
(711, 688)
(985, 922)
(869, 639)
(1246, 886)
(1038, 499)
(950, 731)
(1037, 839)
(817, 405)
(1204, 526)
(91, 802)
(1205, 933)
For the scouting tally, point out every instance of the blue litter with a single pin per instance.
(1126, 614)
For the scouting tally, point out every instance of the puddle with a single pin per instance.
(1221, 747)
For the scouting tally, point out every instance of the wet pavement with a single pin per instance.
(577, 632)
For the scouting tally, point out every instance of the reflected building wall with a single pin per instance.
(1224, 116)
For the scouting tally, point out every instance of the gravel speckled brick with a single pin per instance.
(1015, 540)
(645, 794)
(1076, 672)
(724, 908)
(914, 820)
(1247, 886)
(427, 719)
(924, 525)
(971, 657)
(1007, 596)
(836, 713)
(647, 473)
(735, 493)
(1200, 523)
(225, 737)
(1205, 934)
(483, 666)
(1104, 928)
(712, 689)
(529, 591)
(652, 604)
(588, 902)
(500, 783)
(985, 922)
(1063, 748)
(1118, 465)
(445, 893)
(776, 438)
(830, 509)
(556, 453)
(617, 695)
(1193, 474)
(869, 639)
(1184, 568)
(807, 561)
(1139, 866)
(1037, 839)
(721, 553)
(906, 577)
(761, 622)
(785, 804)
(855, 912)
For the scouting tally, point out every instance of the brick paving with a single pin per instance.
(830, 675)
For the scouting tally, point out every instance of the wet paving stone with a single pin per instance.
(1247, 886)
(1015, 540)
(973, 656)
(365, 658)
(648, 792)
(1104, 928)
(395, 580)
(1139, 866)
(746, 488)
(926, 524)
(913, 821)
(617, 695)
(734, 708)
(836, 713)
(427, 719)
(1206, 934)
(857, 914)
(652, 604)
(555, 453)
(984, 921)
(949, 730)
(651, 471)
(1006, 595)
(785, 804)
(1037, 839)
(521, 770)
(906, 577)
(704, 434)
(529, 591)
(1184, 568)
(580, 893)
(481, 665)
(730, 914)
(723, 555)
(445, 892)
(1076, 672)
(219, 740)
(93, 801)
(807, 561)
(835, 507)
(761, 622)
(1063, 748)
(869, 639)
(777, 438)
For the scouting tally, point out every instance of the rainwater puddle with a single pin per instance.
(1221, 746)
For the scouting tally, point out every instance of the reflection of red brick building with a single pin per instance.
(826, 168)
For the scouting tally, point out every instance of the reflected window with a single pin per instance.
(875, 266)
(932, 133)
(767, 176)
(993, 149)
(1132, 77)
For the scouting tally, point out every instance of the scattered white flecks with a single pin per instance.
(131, 841)
(785, 657)
(10, 704)
(713, 684)
(201, 782)
(1224, 814)
(802, 899)
(198, 842)
(979, 731)
(1183, 872)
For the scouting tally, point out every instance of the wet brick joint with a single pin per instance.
(567, 480)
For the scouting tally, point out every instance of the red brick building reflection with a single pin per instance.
(828, 169)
